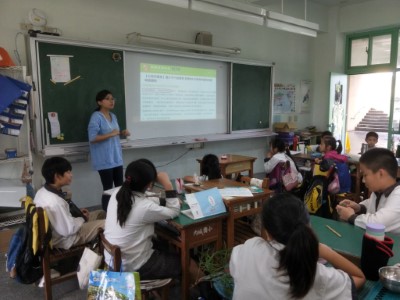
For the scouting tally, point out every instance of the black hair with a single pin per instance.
(210, 166)
(138, 175)
(326, 133)
(101, 96)
(372, 134)
(333, 143)
(53, 166)
(380, 158)
(286, 220)
(281, 146)
(149, 162)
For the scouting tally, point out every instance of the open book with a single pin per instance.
(204, 204)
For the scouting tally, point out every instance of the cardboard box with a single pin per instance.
(284, 127)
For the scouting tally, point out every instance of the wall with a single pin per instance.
(296, 58)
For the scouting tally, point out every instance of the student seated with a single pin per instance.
(379, 170)
(279, 153)
(371, 138)
(67, 230)
(131, 215)
(323, 135)
(285, 265)
(331, 149)
(209, 167)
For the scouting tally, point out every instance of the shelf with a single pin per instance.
(21, 158)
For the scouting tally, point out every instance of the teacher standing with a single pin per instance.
(105, 146)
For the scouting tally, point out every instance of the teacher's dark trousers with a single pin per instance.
(110, 178)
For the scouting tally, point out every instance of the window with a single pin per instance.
(371, 52)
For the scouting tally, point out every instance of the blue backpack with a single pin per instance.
(343, 173)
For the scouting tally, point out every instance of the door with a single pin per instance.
(338, 105)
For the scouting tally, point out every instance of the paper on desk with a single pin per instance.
(235, 192)
(295, 152)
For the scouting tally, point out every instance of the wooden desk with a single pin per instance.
(237, 206)
(193, 233)
(350, 244)
(234, 164)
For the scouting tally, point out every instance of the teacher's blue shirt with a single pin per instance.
(106, 154)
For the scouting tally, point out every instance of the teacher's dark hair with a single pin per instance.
(138, 175)
(101, 96)
(287, 222)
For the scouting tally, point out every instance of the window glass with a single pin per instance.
(359, 52)
(381, 46)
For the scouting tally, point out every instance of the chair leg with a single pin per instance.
(165, 292)
(47, 279)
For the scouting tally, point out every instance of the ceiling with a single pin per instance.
(266, 3)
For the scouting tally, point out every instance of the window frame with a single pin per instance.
(389, 67)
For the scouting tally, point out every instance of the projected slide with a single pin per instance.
(169, 92)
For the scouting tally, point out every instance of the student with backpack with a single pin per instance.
(67, 230)
(285, 264)
(277, 154)
(331, 150)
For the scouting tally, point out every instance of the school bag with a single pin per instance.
(317, 199)
(343, 172)
(25, 252)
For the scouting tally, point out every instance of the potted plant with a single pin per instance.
(215, 264)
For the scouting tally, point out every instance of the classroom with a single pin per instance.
(295, 59)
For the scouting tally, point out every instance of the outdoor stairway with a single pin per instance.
(375, 120)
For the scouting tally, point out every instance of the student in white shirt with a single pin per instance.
(279, 153)
(130, 222)
(285, 266)
(67, 229)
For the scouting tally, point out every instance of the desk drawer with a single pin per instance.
(202, 232)
(238, 167)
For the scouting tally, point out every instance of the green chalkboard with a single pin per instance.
(75, 102)
(251, 97)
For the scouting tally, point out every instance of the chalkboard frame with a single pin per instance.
(76, 148)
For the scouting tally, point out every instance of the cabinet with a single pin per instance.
(11, 187)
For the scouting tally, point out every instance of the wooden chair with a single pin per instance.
(147, 287)
(52, 256)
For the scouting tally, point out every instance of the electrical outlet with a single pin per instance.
(25, 26)
(195, 146)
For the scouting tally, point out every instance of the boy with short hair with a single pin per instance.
(371, 138)
(379, 169)
(67, 231)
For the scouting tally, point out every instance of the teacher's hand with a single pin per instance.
(125, 132)
(114, 132)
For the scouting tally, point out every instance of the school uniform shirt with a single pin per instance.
(270, 164)
(384, 211)
(134, 238)
(64, 226)
(106, 154)
(253, 266)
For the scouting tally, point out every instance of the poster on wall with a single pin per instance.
(305, 93)
(284, 98)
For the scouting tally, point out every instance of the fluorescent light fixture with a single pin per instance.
(178, 3)
(291, 20)
(139, 38)
(229, 9)
(291, 28)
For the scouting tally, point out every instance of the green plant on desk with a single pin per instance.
(215, 264)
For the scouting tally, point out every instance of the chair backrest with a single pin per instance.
(113, 250)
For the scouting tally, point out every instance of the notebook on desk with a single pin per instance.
(204, 204)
